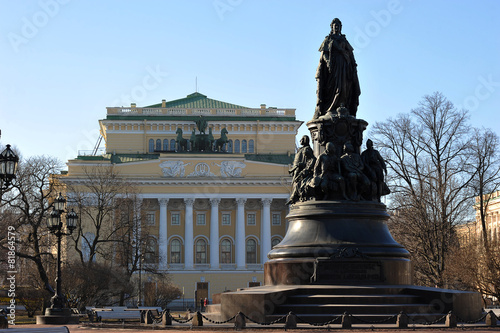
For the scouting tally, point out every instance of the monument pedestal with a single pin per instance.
(339, 256)
(338, 242)
(57, 317)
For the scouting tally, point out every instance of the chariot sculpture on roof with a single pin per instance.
(202, 142)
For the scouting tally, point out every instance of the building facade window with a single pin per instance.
(151, 252)
(165, 144)
(175, 218)
(276, 219)
(201, 219)
(243, 146)
(87, 240)
(275, 241)
(251, 250)
(229, 146)
(175, 251)
(151, 145)
(201, 251)
(236, 146)
(226, 219)
(150, 218)
(226, 256)
(158, 145)
(251, 146)
(172, 145)
(251, 220)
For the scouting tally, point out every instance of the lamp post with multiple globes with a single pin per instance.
(8, 168)
(57, 313)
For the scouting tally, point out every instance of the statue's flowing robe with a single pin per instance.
(337, 76)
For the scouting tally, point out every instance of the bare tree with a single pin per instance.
(481, 270)
(111, 232)
(26, 207)
(427, 155)
(98, 198)
(160, 292)
(485, 167)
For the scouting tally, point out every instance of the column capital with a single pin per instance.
(241, 201)
(163, 202)
(215, 201)
(189, 201)
(267, 201)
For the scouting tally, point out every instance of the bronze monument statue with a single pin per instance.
(338, 248)
(337, 75)
(301, 171)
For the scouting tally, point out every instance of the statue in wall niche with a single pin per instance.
(353, 169)
(301, 171)
(201, 124)
(211, 139)
(193, 142)
(328, 182)
(375, 169)
(337, 75)
(181, 142)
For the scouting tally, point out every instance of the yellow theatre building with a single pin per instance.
(215, 179)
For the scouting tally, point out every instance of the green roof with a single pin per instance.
(198, 101)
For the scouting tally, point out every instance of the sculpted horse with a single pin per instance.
(219, 143)
(181, 142)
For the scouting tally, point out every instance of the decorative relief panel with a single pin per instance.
(173, 168)
(201, 169)
(231, 168)
(228, 204)
(201, 204)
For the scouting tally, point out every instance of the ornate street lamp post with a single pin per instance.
(8, 168)
(55, 225)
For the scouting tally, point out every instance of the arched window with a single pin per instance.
(87, 240)
(158, 145)
(165, 144)
(172, 145)
(243, 146)
(151, 145)
(201, 251)
(251, 251)
(251, 146)
(236, 146)
(151, 252)
(226, 251)
(275, 241)
(175, 251)
(229, 146)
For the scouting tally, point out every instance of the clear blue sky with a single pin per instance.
(63, 62)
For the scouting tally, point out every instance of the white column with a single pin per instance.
(163, 241)
(188, 234)
(214, 233)
(240, 234)
(266, 229)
